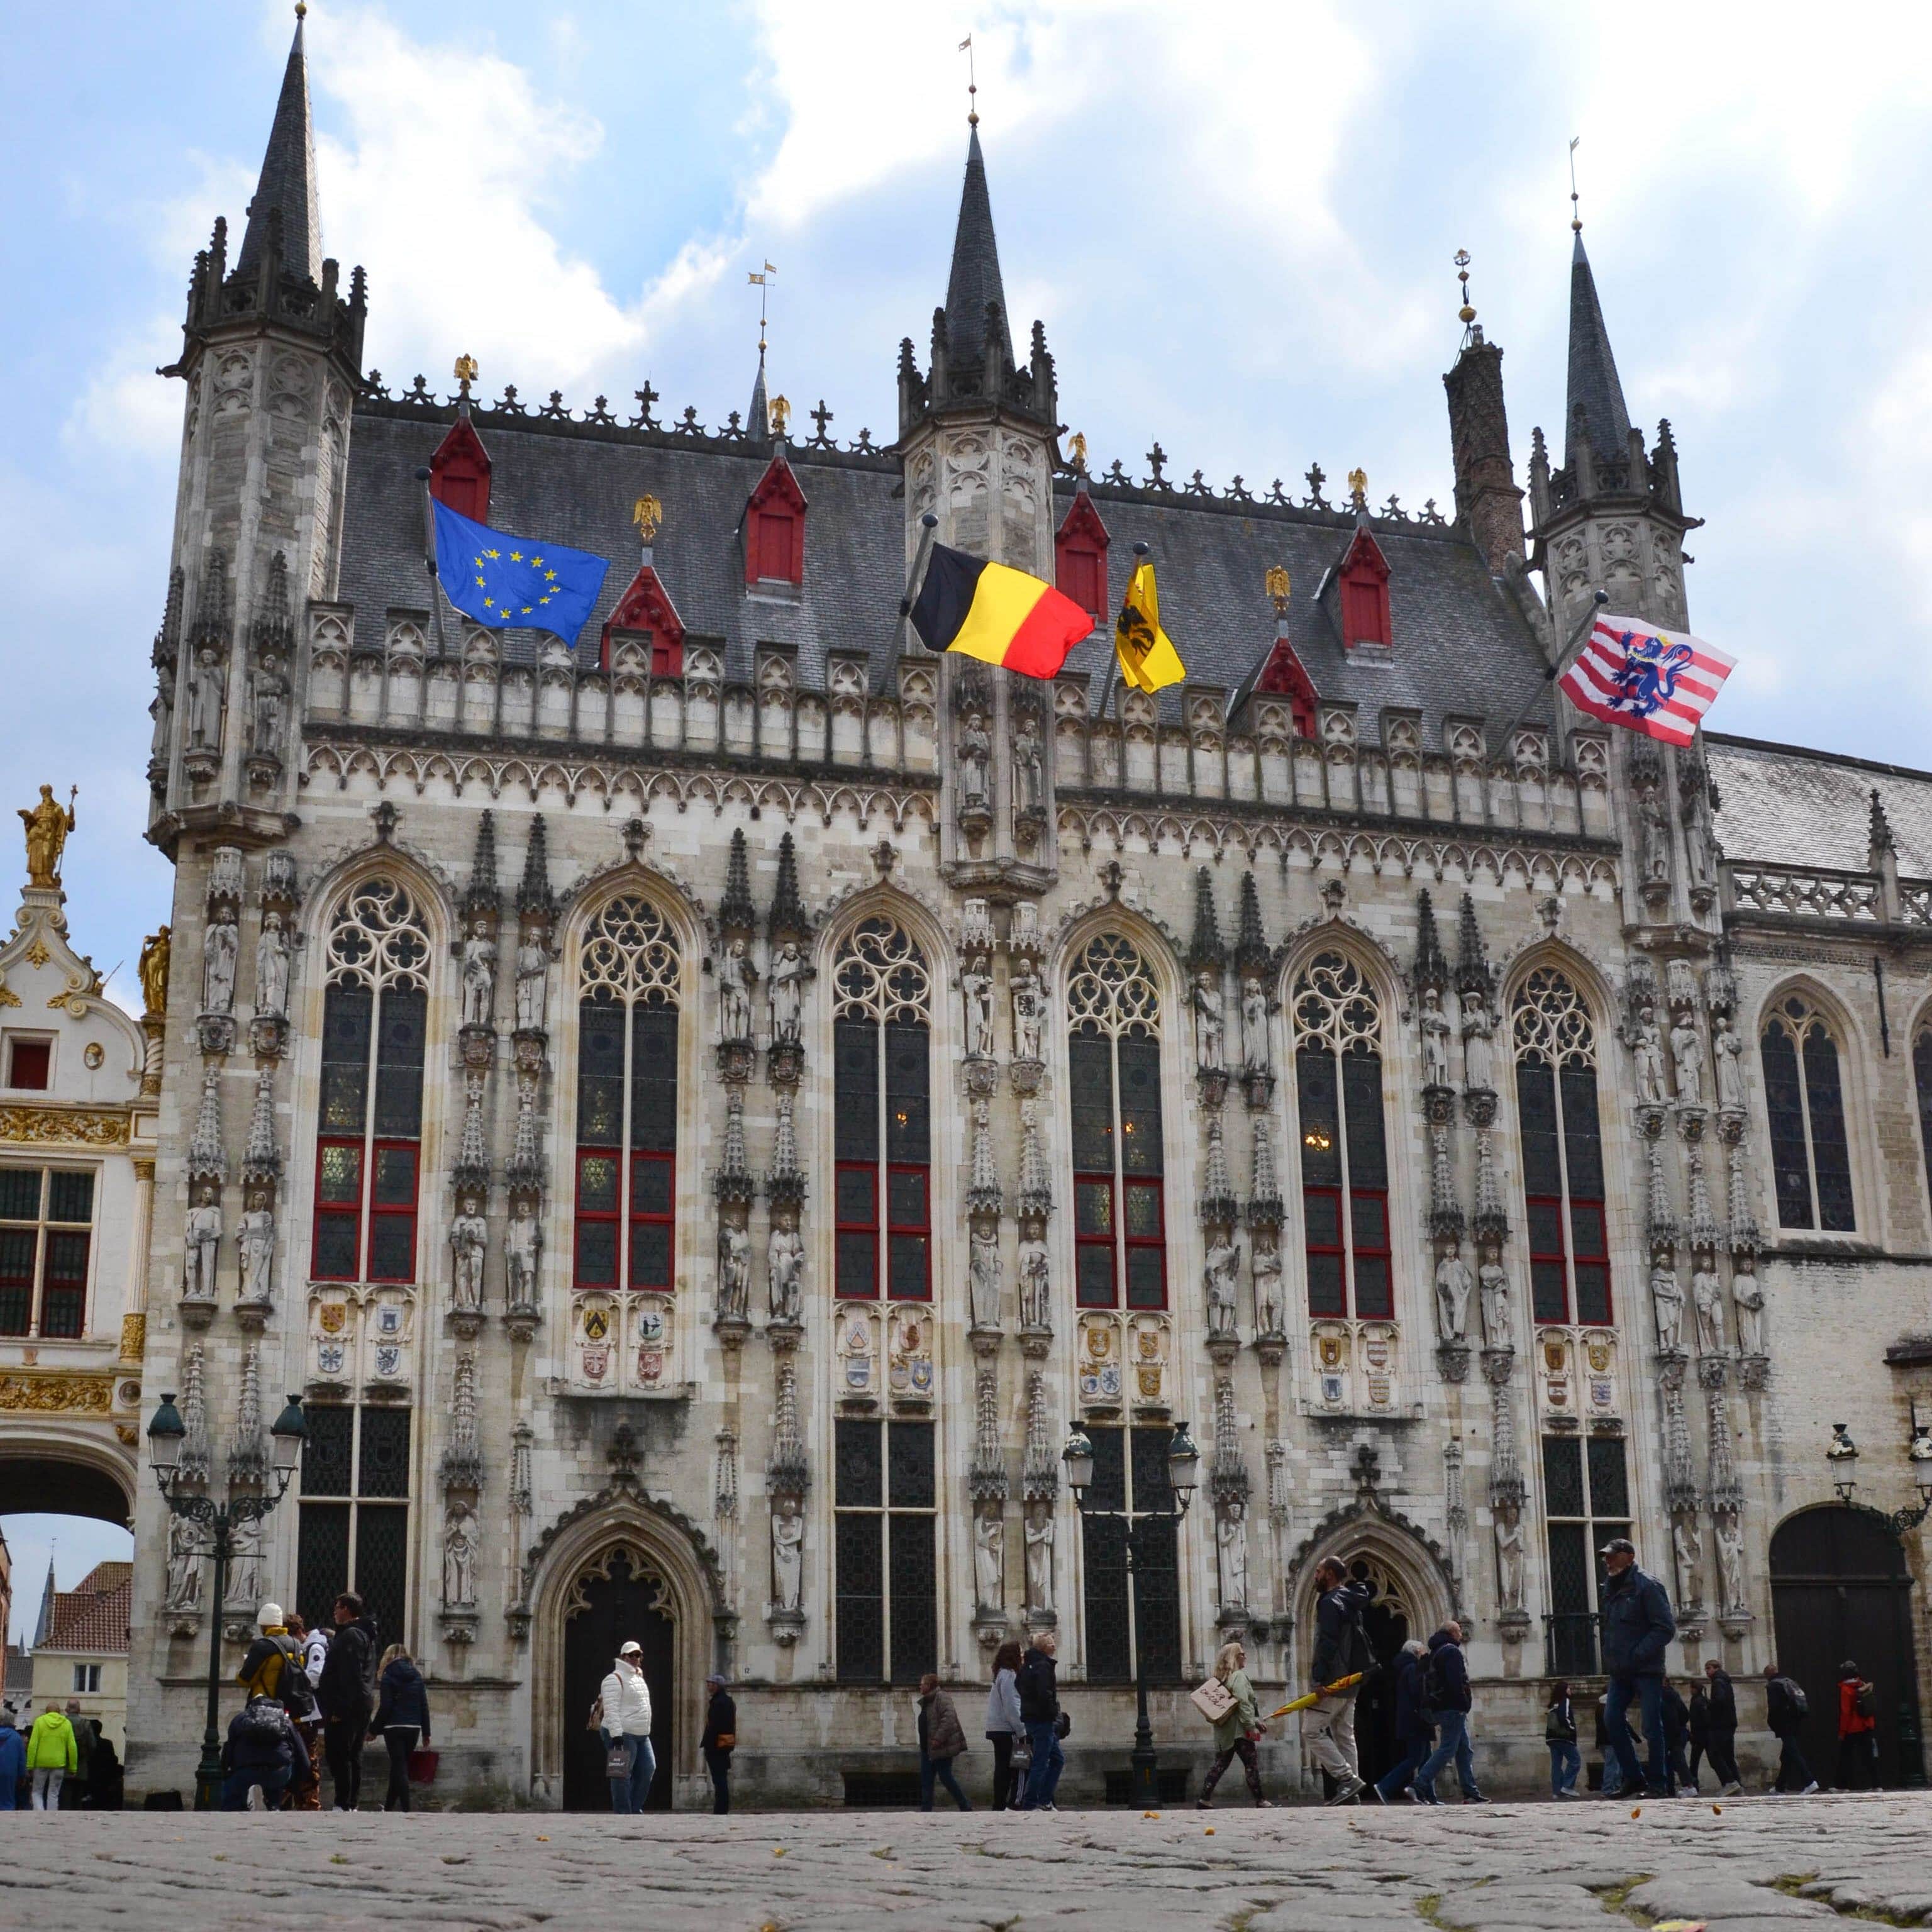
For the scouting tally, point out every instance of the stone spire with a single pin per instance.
(285, 196)
(1251, 946)
(736, 915)
(1879, 840)
(262, 1161)
(1432, 968)
(1218, 1205)
(533, 894)
(758, 417)
(1595, 414)
(974, 282)
(1474, 978)
(1040, 1477)
(482, 895)
(787, 919)
(206, 1161)
(1206, 951)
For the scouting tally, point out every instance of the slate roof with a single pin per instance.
(1593, 386)
(287, 179)
(94, 1617)
(1782, 805)
(975, 277)
(1462, 646)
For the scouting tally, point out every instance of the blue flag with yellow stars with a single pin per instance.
(506, 581)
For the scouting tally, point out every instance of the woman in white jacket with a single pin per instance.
(626, 1725)
(1004, 1727)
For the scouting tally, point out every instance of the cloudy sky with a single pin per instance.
(1236, 221)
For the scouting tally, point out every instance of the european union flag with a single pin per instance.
(504, 581)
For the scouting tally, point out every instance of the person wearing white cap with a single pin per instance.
(269, 1670)
(630, 1763)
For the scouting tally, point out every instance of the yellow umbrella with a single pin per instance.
(1314, 1697)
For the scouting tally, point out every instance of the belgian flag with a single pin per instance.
(996, 614)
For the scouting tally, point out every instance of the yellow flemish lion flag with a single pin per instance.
(1148, 660)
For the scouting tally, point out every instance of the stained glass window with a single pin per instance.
(1130, 1475)
(1811, 1156)
(885, 1589)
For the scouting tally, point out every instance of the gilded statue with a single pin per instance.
(153, 969)
(48, 824)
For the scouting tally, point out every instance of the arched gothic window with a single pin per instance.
(1120, 1222)
(1922, 1074)
(369, 1132)
(1803, 1093)
(1562, 1150)
(626, 1098)
(882, 1084)
(1338, 1077)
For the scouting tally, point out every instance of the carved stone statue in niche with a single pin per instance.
(1479, 1058)
(1666, 1296)
(1255, 1054)
(469, 1241)
(989, 1558)
(1029, 1011)
(1707, 1298)
(1509, 1555)
(183, 1579)
(785, 1269)
(972, 750)
(206, 689)
(220, 947)
(1036, 1284)
(203, 1236)
(460, 1541)
(1434, 1040)
(255, 1240)
(787, 993)
(1647, 1053)
(1028, 792)
(735, 975)
(1687, 1547)
(1265, 1260)
(1218, 1275)
(532, 968)
(1687, 1050)
(734, 1271)
(270, 690)
(1728, 1050)
(1453, 1286)
(787, 1554)
(521, 1248)
(1210, 1023)
(1748, 1299)
(984, 1276)
(272, 967)
(1230, 1538)
(479, 975)
(976, 982)
(1654, 823)
(1039, 1555)
(1730, 1564)
(1493, 1285)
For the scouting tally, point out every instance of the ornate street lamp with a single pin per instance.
(1183, 1469)
(167, 1434)
(1842, 1453)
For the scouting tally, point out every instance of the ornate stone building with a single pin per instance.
(700, 1117)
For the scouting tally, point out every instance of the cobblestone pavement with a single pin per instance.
(1758, 1865)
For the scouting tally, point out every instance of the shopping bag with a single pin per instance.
(1212, 1699)
(422, 1767)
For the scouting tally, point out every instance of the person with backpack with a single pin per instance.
(51, 1754)
(1237, 1732)
(1559, 1733)
(1341, 1650)
(1722, 1749)
(1857, 1731)
(1414, 1734)
(1039, 1711)
(264, 1749)
(1446, 1698)
(13, 1758)
(272, 1653)
(1786, 1707)
(1638, 1627)
(344, 1696)
(402, 1721)
(625, 1722)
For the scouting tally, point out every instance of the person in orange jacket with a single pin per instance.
(1857, 1731)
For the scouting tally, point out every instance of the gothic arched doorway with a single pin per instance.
(617, 1597)
(1840, 1590)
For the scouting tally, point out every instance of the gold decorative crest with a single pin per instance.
(1276, 584)
(57, 1394)
(647, 513)
(61, 1127)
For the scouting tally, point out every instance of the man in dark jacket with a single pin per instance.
(1414, 1734)
(1341, 1650)
(1637, 1630)
(1786, 1716)
(1445, 1691)
(720, 1738)
(343, 1695)
(263, 1748)
(1676, 1739)
(1721, 1746)
(1039, 1711)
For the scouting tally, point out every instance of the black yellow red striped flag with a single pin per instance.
(996, 614)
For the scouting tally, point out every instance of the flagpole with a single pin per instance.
(429, 560)
(1141, 553)
(1585, 624)
(928, 524)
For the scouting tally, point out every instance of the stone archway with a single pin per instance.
(669, 1584)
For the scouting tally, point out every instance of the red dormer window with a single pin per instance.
(459, 472)
(1080, 557)
(774, 528)
(1365, 597)
(1283, 677)
(646, 607)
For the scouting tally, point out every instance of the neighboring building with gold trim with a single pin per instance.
(79, 1083)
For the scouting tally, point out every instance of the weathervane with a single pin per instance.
(1466, 314)
(1575, 213)
(972, 84)
(760, 277)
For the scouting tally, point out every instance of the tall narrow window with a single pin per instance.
(1338, 1079)
(627, 1099)
(353, 1533)
(1080, 556)
(1922, 1074)
(1811, 1163)
(369, 1138)
(1130, 1473)
(882, 1084)
(887, 1615)
(1586, 1502)
(1562, 1150)
(1120, 1214)
(46, 1237)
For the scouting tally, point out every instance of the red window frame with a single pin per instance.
(1336, 1197)
(1360, 1250)
(1105, 1241)
(1597, 1258)
(642, 1217)
(366, 1208)
(843, 1225)
(327, 1211)
(1082, 572)
(30, 1065)
(1543, 1259)
(583, 1216)
(1144, 1186)
(392, 1210)
(777, 546)
(897, 1231)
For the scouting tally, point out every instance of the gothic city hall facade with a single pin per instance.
(698, 1118)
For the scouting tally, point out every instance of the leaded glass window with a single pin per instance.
(46, 1241)
(1130, 1475)
(885, 1605)
(1922, 1074)
(1585, 1502)
(1810, 1158)
(353, 1528)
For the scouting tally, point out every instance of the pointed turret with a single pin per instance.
(43, 1629)
(974, 283)
(286, 189)
(758, 417)
(1595, 414)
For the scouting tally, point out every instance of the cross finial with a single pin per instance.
(820, 417)
(1316, 477)
(1157, 457)
(645, 397)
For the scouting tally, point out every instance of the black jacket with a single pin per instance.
(1340, 1648)
(1410, 1722)
(245, 1753)
(721, 1720)
(342, 1695)
(1700, 1715)
(1723, 1704)
(1446, 1678)
(1781, 1713)
(1676, 1718)
(1637, 1625)
(1039, 1694)
(1559, 1722)
(403, 1701)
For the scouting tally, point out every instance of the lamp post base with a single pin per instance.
(1145, 1776)
(208, 1779)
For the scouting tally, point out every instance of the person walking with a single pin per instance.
(1722, 1749)
(1040, 1711)
(941, 1739)
(1235, 1735)
(402, 1720)
(342, 1695)
(51, 1754)
(311, 1647)
(1676, 1740)
(1785, 1708)
(1700, 1730)
(314, 1647)
(1341, 1650)
(1857, 1731)
(1005, 1726)
(1446, 1697)
(13, 1758)
(1414, 1734)
(1613, 1771)
(106, 1777)
(1638, 1627)
(626, 1701)
(86, 1733)
(1559, 1733)
(719, 1741)
(263, 1749)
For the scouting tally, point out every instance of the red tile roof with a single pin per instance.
(95, 1617)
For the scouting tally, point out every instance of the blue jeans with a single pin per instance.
(1404, 1769)
(1565, 1761)
(1454, 1744)
(627, 1794)
(1048, 1762)
(941, 1769)
(234, 1792)
(1648, 1692)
